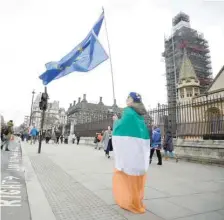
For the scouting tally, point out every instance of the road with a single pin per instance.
(14, 200)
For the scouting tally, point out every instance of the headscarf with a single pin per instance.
(137, 104)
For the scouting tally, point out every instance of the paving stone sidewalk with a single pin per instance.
(77, 182)
(14, 201)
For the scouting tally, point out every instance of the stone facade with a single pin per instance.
(207, 109)
(203, 151)
(84, 112)
(26, 121)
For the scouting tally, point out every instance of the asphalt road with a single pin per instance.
(14, 200)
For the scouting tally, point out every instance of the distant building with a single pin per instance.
(52, 114)
(26, 121)
(84, 112)
(62, 116)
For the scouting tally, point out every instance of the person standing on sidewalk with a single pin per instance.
(78, 138)
(57, 136)
(107, 136)
(8, 131)
(98, 143)
(66, 138)
(73, 138)
(33, 134)
(109, 146)
(61, 138)
(168, 146)
(131, 143)
(47, 136)
(156, 145)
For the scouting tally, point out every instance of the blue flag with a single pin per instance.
(83, 58)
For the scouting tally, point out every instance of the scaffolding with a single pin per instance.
(184, 37)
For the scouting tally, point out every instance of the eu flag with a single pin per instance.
(83, 58)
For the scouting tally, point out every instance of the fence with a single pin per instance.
(90, 129)
(200, 117)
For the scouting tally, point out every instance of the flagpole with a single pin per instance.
(111, 66)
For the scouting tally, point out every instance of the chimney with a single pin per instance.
(115, 102)
(70, 105)
(101, 99)
(79, 99)
(74, 102)
(84, 96)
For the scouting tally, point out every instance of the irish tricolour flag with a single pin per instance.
(131, 143)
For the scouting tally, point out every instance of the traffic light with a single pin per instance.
(43, 102)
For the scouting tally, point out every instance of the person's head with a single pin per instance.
(154, 127)
(133, 97)
(109, 128)
(168, 132)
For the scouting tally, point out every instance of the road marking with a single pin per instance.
(11, 185)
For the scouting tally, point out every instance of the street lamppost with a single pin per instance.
(31, 110)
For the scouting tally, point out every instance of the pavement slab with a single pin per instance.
(14, 199)
(77, 182)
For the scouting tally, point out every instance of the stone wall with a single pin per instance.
(200, 151)
(203, 151)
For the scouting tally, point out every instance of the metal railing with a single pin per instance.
(201, 117)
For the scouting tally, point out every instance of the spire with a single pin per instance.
(187, 70)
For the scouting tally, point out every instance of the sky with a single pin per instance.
(34, 33)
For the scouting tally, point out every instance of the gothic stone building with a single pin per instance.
(84, 112)
(199, 115)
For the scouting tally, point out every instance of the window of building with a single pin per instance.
(189, 92)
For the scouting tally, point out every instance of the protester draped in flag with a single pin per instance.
(131, 143)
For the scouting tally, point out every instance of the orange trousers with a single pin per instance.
(129, 191)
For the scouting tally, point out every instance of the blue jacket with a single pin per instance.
(33, 132)
(156, 138)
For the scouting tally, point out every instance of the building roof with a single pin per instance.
(84, 105)
(187, 70)
(217, 82)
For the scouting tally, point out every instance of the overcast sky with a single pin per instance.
(36, 32)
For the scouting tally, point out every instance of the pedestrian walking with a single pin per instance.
(61, 138)
(47, 136)
(168, 146)
(131, 143)
(34, 135)
(73, 138)
(7, 135)
(156, 145)
(53, 138)
(97, 141)
(78, 138)
(106, 140)
(57, 136)
(66, 138)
